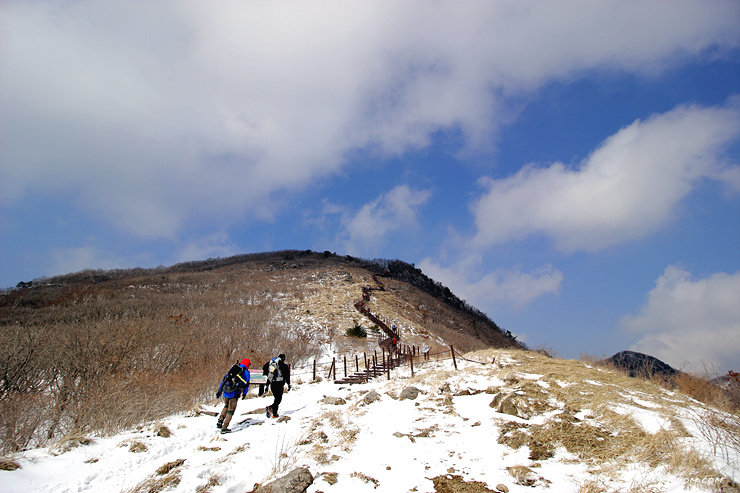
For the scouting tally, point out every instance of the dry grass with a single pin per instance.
(593, 486)
(169, 467)
(283, 458)
(156, 484)
(167, 476)
(8, 464)
(330, 477)
(202, 448)
(134, 446)
(161, 430)
(365, 478)
(70, 442)
(213, 480)
(582, 402)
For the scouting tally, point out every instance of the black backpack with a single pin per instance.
(231, 381)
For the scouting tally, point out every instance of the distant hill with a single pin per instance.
(640, 365)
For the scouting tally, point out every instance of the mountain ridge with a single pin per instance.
(480, 326)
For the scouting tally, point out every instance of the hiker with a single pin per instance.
(234, 384)
(278, 376)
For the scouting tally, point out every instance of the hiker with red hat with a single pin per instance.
(234, 384)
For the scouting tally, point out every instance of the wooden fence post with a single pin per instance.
(357, 364)
(314, 370)
(454, 361)
(345, 366)
(411, 360)
(333, 368)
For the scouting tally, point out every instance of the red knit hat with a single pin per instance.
(246, 362)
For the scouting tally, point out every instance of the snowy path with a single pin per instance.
(390, 445)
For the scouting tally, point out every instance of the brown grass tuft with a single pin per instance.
(155, 485)
(8, 464)
(167, 468)
(137, 447)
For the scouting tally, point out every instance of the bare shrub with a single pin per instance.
(721, 430)
(106, 360)
(21, 414)
(24, 357)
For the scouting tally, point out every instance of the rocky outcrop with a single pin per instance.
(296, 481)
(410, 393)
(371, 397)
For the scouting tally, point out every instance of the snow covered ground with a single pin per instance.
(353, 444)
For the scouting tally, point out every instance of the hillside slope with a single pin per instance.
(305, 289)
(505, 420)
(108, 350)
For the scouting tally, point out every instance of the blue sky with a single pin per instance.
(571, 168)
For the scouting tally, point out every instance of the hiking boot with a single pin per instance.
(275, 415)
(225, 430)
(268, 412)
(219, 423)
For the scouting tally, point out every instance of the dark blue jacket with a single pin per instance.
(242, 384)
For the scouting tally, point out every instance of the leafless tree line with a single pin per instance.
(99, 359)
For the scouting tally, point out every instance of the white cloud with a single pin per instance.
(373, 224)
(691, 323)
(75, 259)
(212, 246)
(626, 189)
(511, 289)
(156, 114)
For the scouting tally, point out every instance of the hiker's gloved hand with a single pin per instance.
(288, 387)
(244, 395)
(218, 395)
